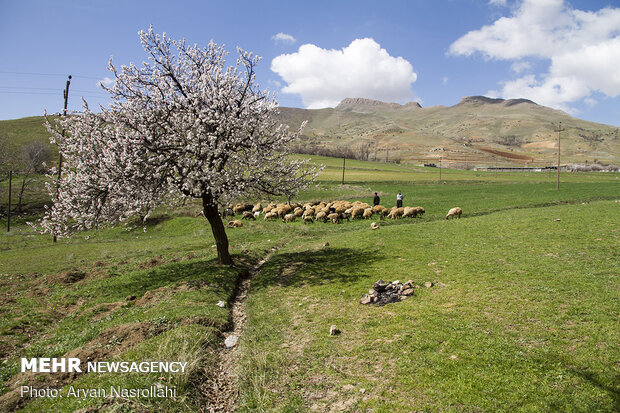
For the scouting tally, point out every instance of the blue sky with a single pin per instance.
(558, 53)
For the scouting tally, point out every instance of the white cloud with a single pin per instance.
(284, 38)
(106, 81)
(445, 80)
(362, 69)
(521, 66)
(497, 2)
(583, 49)
(590, 102)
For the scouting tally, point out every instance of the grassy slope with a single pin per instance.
(522, 317)
(25, 130)
(400, 349)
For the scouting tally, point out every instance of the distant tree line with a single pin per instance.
(359, 152)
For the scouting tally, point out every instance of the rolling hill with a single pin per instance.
(476, 131)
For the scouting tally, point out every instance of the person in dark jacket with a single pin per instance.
(376, 200)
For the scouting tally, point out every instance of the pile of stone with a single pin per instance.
(384, 292)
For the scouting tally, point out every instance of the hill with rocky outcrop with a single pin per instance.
(476, 131)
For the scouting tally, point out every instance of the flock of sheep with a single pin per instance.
(335, 211)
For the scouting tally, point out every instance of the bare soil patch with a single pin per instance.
(509, 155)
(109, 343)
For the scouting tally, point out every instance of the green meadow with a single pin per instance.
(522, 315)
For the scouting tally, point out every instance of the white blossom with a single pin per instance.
(182, 124)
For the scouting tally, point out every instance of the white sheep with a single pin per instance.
(454, 212)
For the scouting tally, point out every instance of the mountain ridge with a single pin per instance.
(477, 130)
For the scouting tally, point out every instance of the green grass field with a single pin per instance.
(523, 314)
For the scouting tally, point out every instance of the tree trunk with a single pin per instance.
(217, 227)
(21, 194)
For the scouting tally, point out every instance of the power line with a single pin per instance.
(47, 88)
(47, 74)
(16, 92)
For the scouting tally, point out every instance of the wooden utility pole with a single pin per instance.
(8, 220)
(64, 113)
(344, 160)
(559, 132)
(440, 168)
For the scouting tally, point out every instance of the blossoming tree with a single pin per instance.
(183, 125)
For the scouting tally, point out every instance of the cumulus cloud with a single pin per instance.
(362, 69)
(583, 50)
(283, 37)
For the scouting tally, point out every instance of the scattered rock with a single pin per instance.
(326, 244)
(428, 284)
(333, 331)
(231, 341)
(366, 299)
(221, 304)
(380, 286)
(388, 292)
(407, 292)
(557, 220)
(130, 298)
(374, 225)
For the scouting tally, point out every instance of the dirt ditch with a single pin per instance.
(220, 388)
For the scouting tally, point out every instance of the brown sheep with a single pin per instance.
(235, 224)
(367, 213)
(248, 215)
(335, 218)
(308, 219)
(357, 212)
(270, 216)
(257, 208)
(454, 212)
(288, 218)
(321, 215)
(377, 209)
(340, 209)
(396, 213)
(238, 209)
(283, 209)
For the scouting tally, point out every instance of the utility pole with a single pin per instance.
(559, 132)
(440, 168)
(64, 114)
(8, 221)
(344, 160)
